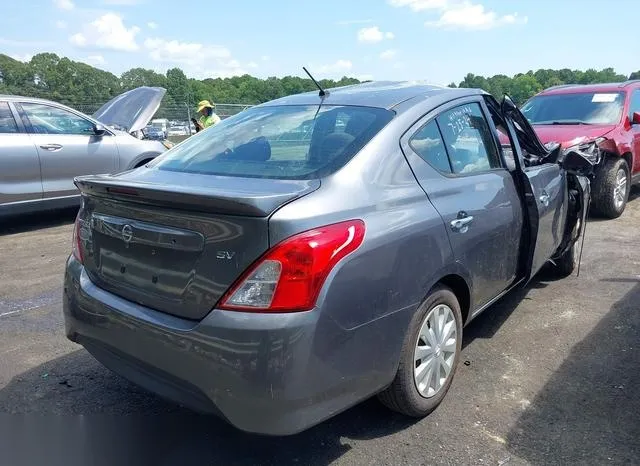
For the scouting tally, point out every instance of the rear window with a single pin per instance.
(285, 142)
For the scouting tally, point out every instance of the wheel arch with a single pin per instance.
(461, 289)
(142, 158)
(628, 157)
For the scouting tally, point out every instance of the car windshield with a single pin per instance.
(589, 108)
(285, 142)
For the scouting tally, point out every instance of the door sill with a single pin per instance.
(483, 308)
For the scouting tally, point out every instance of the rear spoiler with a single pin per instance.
(256, 198)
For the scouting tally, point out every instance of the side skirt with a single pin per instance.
(480, 310)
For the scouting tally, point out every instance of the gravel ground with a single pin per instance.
(550, 376)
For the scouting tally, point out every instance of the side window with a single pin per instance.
(7, 122)
(634, 105)
(428, 144)
(468, 139)
(46, 119)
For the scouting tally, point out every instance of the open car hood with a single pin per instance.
(132, 110)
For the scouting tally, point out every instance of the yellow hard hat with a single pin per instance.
(204, 104)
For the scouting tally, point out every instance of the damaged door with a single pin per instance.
(455, 159)
(543, 185)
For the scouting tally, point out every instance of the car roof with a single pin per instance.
(380, 94)
(579, 88)
(26, 99)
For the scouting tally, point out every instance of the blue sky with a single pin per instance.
(433, 40)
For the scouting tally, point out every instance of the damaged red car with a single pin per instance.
(602, 120)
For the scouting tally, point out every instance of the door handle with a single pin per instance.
(461, 224)
(544, 199)
(51, 147)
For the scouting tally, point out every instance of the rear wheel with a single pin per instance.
(611, 188)
(429, 356)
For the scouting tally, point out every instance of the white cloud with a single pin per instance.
(252, 64)
(348, 22)
(460, 14)
(64, 4)
(23, 58)
(373, 34)
(186, 53)
(474, 17)
(107, 32)
(388, 54)
(337, 67)
(96, 59)
(61, 24)
(152, 25)
(265, 58)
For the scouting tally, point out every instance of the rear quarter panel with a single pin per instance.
(366, 304)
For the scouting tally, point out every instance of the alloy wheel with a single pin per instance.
(620, 189)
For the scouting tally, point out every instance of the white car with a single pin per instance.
(45, 145)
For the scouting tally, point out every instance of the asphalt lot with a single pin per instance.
(550, 376)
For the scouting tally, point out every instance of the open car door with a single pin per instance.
(543, 185)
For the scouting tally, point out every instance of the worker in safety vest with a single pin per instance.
(207, 118)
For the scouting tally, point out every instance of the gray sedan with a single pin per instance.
(45, 145)
(317, 250)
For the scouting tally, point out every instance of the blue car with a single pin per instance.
(276, 281)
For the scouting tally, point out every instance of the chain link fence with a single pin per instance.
(175, 119)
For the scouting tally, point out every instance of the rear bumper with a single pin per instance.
(264, 373)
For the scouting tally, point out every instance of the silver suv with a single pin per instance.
(45, 145)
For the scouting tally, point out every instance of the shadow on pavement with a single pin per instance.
(90, 411)
(487, 324)
(590, 406)
(83, 414)
(32, 222)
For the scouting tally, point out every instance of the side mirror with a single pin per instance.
(99, 130)
(635, 119)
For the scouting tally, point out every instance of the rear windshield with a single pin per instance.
(589, 108)
(285, 142)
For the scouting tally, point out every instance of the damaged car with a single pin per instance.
(600, 119)
(276, 282)
(44, 145)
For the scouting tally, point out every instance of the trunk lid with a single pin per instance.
(175, 242)
(132, 110)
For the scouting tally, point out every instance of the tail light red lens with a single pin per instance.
(77, 246)
(288, 278)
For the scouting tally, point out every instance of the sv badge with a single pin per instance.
(225, 255)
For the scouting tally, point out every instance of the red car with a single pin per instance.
(602, 118)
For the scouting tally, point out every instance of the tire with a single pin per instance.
(403, 395)
(608, 200)
(567, 263)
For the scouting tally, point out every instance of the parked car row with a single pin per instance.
(278, 268)
(45, 145)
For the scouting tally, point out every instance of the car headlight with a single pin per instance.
(167, 144)
(589, 149)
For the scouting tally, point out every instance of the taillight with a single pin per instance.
(76, 246)
(288, 278)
